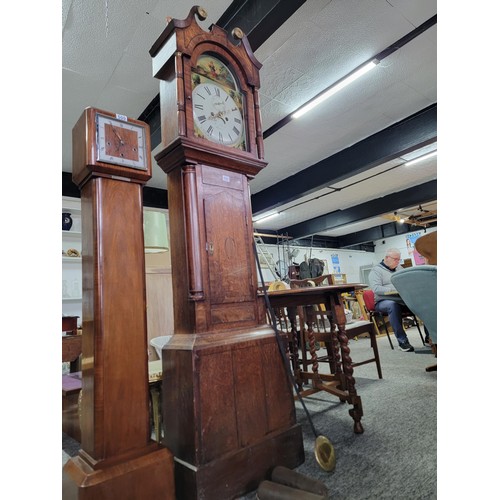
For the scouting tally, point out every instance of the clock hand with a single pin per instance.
(214, 116)
(219, 115)
(117, 135)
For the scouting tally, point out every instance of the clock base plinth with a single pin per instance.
(147, 476)
(241, 472)
(229, 411)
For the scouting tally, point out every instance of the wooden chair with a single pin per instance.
(354, 330)
(319, 321)
(426, 246)
(318, 281)
(378, 317)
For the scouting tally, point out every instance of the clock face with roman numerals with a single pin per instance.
(217, 115)
(218, 105)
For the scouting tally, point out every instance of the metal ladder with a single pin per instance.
(265, 257)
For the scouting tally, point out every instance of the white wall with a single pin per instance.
(349, 260)
(398, 242)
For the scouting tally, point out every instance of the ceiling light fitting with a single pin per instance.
(266, 217)
(155, 232)
(344, 82)
(420, 158)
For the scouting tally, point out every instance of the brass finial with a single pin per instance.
(238, 33)
(202, 13)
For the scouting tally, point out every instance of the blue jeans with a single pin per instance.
(393, 310)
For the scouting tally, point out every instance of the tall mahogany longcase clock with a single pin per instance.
(227, 405)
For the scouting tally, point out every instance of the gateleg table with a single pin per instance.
(341, 383)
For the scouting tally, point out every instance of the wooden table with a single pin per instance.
(71, 350)
(72, 384)
(155, 377)
(341, 383)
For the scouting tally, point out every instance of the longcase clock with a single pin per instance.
(117, 459)
(227, 403)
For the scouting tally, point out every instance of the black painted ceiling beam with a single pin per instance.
(423, 193)
(152, 197)
(403, 137)
(361, 240)
(258, 19)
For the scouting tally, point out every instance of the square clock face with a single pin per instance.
(121, 142)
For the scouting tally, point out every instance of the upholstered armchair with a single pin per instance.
(417, 286)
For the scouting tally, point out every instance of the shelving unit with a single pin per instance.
(72, 266)
(158, 279)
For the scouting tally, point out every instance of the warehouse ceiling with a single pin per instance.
(339, 174)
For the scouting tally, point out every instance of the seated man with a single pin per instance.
(392, 305)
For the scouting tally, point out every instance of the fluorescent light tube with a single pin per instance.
(336, 87)
(266, 217)
(421, 158)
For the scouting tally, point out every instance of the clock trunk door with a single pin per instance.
(228, 247)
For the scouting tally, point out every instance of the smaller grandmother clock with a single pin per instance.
(228, 403)
(117, 459)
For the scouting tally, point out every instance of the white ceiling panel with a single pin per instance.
(106, 64)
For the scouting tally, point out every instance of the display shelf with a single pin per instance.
(72, 266)
(72, 259)
(72, 234)
(72, 205)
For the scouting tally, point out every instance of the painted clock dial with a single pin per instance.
(218, 106)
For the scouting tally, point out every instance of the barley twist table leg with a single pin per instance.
(292, 316)
(356, 411)
(311, 339)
